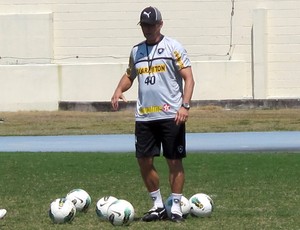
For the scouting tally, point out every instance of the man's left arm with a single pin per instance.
(187, 75)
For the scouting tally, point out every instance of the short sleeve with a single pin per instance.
(131, 69)
(180, 56)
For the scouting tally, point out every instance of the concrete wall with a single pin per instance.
(32, 87)
(41, 87)
(71, 50)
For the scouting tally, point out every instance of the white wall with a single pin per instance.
(26, 38)
(88, 43)
(32, 87)
(41, 87)
(90, 82)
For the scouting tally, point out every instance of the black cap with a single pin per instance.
(150, 15)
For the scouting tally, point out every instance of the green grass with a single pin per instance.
(201, 119)
(250, 191)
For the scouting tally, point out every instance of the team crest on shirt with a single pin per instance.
(166, 107)
(160, 50)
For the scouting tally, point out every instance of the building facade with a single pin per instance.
(76, 50)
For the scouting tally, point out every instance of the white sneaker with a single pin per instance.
(2, 213)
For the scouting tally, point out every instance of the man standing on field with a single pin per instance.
(160, 64)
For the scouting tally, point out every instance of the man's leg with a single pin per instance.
(176, 175)
(176, 180)
(149, 173)
(151, 181)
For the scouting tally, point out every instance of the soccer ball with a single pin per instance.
(62, 211)
(121, 212)
(80, 198)
(201, 205)
(103, 205)
(184, 204)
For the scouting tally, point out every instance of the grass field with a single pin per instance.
(202, 119)
(250, 191)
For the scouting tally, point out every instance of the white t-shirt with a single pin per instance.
(160, 85)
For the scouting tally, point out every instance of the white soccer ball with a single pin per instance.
(184, 204)
(62, 211)
(80, 198)
(201, 205)
(103, 205)
(121, 212)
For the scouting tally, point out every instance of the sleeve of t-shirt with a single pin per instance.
(131, 71)
(180, 56)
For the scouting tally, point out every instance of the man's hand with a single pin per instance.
(181, 116)
(115, 99)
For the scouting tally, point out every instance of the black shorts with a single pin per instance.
(151, 135)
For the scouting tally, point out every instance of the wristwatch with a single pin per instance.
(186, 106)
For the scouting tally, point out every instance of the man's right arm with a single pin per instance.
(124, 84)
